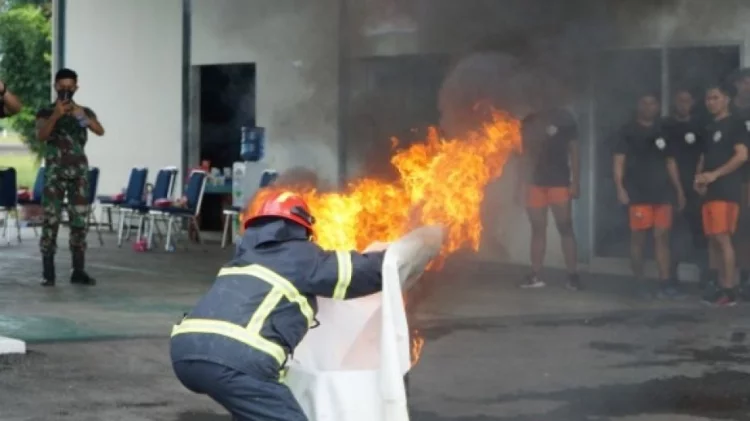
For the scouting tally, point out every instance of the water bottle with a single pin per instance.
(251, 143)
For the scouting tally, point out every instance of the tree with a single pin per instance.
(26, 45)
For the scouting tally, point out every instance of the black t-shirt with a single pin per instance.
(685, 140)
(743, 114)
(646, 151)
(721, 138)
(546, 140)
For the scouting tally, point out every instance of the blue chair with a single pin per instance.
(9, 201)
(266, 179)
(107, 203)
(91, 200)
(162, 189)
(194, 192)
(36, 196)
(134, 198)
(93, 178)
(36, 192)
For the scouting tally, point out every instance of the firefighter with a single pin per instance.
(234, 344)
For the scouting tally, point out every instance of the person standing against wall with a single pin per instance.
(685, 137)
(645, 174)
(740, 109)
(550, 181)
(719, 181)
(63, 127)
(9, 103)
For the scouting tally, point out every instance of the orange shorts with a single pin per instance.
(644, 217)
(720, 217)
(541, 197)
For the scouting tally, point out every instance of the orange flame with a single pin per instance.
(441, 181)
(417, 342)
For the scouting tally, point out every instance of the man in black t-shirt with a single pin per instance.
(550, 182)
(647, 181)
(740, 109)
(685, 137)
(719, 181)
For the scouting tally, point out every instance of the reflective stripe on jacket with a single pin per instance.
(263, 302)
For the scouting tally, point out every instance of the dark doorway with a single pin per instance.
(227, 103)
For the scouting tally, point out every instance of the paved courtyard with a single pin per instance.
(492, 352)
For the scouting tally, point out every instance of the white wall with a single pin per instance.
(128, 55)
(687, 22)
(294, 44)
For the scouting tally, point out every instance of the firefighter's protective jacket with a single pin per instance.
(263, 301)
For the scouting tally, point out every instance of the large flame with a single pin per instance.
(441, 181)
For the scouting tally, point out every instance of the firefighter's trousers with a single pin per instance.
(246, 397)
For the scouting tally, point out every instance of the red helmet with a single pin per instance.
(279, 204)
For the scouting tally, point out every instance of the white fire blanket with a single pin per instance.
(352, 366)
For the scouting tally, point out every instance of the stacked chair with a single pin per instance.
(134, 196)
(136, 187)
(162, 189)
(93, 179)
(36, 195)
(9, 202)
(174, 217)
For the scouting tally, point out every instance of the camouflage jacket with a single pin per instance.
(65, 146)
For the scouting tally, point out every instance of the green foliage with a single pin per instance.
(26, 45)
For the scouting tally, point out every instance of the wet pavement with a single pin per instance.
(492, 352)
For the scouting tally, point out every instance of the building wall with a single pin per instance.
(685, 22)
(128, 55)
(294, 44)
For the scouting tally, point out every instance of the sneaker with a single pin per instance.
(574, 283)
(668, 292)
(723, 299)
(533, 281)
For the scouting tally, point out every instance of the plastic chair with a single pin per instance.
(133, 197)
(108, 203)
(36, 195)
(194, 192)
(162, 189)
(91, 200)
(9, 201)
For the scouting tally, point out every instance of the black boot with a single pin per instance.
(48, 270)
(79, 276)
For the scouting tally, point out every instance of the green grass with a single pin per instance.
(25, 165)
(10, 139)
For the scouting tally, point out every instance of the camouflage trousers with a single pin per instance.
(59, 184)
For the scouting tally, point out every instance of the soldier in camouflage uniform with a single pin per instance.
(63, 128)
(9, 103)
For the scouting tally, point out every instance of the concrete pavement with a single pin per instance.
(492, 352)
